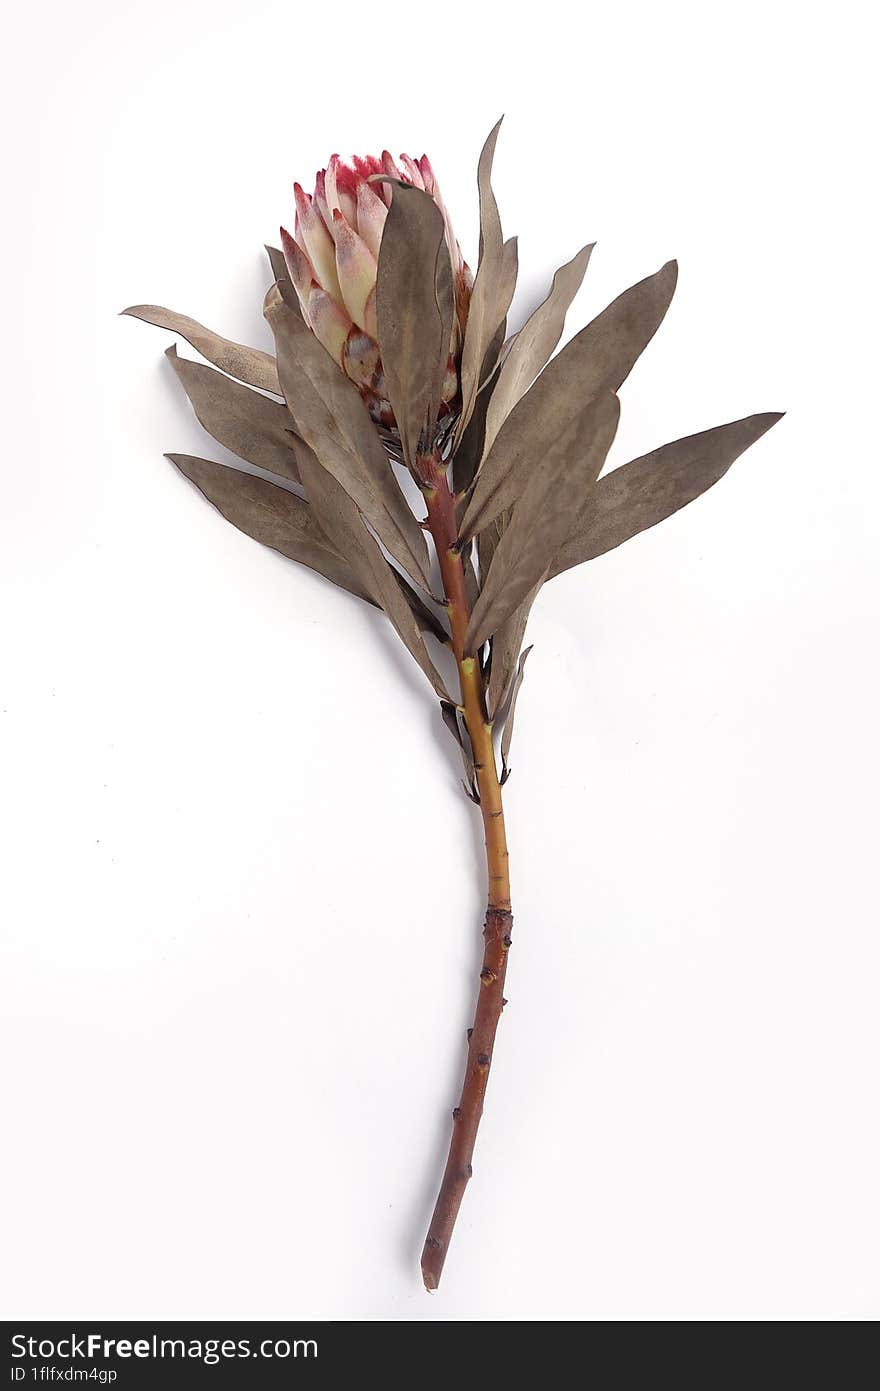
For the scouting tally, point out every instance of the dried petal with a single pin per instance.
(412, 172)
(339, 185)
(355, 267)
(299, 268)
(371, 215)
(317, 242)
(330, 324)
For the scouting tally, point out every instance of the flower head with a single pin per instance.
(333, 257)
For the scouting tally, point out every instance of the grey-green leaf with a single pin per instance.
(534, 343)
(415, 309)
(342, 521)
(271, 515)
(249, 365)
(250, 425)
(333, 420)
(597, 359)
(542, 519)
(642, 493)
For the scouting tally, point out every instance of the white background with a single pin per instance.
(242, 893)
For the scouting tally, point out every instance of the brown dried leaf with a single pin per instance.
(507, 641)
(491, 236)
(342, 521)
(271, 515)
(509, 711)
(427, 620)
(641, 493)
(415, 308)
(534, 343)
(471, 584)
(490, 300)
(470, 450)
(487, 541)
(286, 522)
(493, 286)
(278, 263)
(250, 425)
(541, 521)
(506, 645)
(597, 359)
(248, 365)
(453, 724)
(333, 420)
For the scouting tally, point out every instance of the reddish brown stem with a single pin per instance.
(499, 921)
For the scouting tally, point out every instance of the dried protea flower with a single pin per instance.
(333, 259)
(385, 354)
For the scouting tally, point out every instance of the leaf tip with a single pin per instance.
(766, 420)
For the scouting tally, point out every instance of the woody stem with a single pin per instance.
(499, 921)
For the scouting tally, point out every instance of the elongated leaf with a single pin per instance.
(278, 263)
(506, 645)
(248, 365)
(427, 621)
(508, 639)
(510, 710)
(286, 522)
(644, 492)
(493, 286)
(471, 586)
(333, 420)
(534, 343)
(487, 542)
(597, 359)
(468, 453)
(491, 236)
(340, 519)
(271, 515)
(250, 425)
(453, 724)
(490, 300)
(415, 308)
(542, 519)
